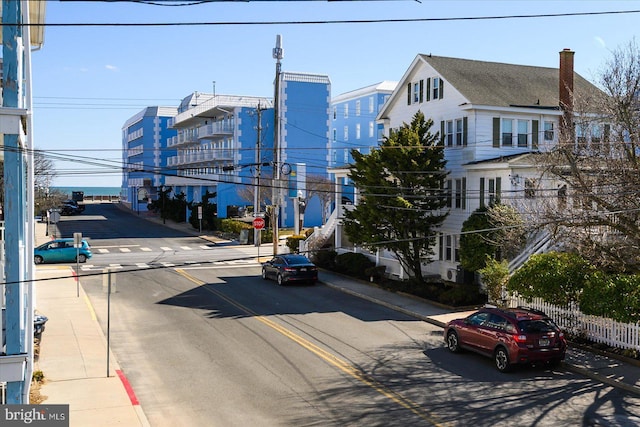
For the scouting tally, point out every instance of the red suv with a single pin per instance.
(511, 336)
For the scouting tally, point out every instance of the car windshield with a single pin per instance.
(298, 259)
(536, 326)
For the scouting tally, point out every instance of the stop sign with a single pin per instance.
(258, 223)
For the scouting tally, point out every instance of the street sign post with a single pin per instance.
(258, 224)
(77, 243)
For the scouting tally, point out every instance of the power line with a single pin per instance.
(325, 22)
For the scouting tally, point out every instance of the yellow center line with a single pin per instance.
(330, 358)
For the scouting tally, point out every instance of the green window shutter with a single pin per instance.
(442, 132)
(441, 94)
(464, 192)
(498, 189)
(421, 89)
(428, 92)
(496, 132)
(408, 93)
(465, 131)
(534, 134)
(481, 192)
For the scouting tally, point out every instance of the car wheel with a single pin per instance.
(280, 280)
(264, 274)
(501, 358)
(82, 258)
(452, 342)
(38, 259)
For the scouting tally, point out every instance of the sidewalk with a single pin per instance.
(73, 354)
(73, 348)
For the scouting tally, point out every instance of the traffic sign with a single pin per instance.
(258, 223)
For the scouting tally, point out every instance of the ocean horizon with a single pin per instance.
(90, 191)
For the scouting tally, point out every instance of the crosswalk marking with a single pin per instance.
(125, 250)
(146, 249)
(186, 264)
(164, 248)
(185, 248)
(103, 251)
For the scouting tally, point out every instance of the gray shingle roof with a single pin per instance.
(503, 85)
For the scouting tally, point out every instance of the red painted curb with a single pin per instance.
(128, 388)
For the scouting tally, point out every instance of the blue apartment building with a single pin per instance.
(145, 154)
(354, 126)
(224, 145)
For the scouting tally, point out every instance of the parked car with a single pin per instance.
(71, 207)
(290, 268)
(510, 336)
(61, 250)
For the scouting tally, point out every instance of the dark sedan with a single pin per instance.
(290, 268)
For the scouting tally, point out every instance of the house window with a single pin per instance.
(548, 131)
(448, 249)
(562, 197)
(335, 134)
(507, 132)
(346, 133)
(460, 193)
(357, 108)
(436, 88)
(530, 188)
(596, 133)
(371, 129)
(335, 112)
(346, 155)
(449, 133)
(523, 133)
(459, 132)
(448, 192)
(357, 130)
(371, 105)
(494, 190)
(416, 92)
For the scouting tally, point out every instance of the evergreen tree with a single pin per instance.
(402, 188)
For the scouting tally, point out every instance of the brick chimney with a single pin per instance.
(566, 87)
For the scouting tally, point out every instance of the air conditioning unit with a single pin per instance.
(452, 274)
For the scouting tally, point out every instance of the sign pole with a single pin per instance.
(77, 242)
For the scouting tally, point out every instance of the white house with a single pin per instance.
(490, 116)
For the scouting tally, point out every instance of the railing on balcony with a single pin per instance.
(200, 157)
(215, 129)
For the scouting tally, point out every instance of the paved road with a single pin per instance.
(219, 346)
(213, 344)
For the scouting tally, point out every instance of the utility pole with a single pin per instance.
(278, 54)
(256, 192)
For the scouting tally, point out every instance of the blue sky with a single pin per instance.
(87, 81)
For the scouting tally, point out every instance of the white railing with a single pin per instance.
(320, 234)
(595, 328)
(539, 245)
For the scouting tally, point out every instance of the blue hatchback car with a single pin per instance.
(61, 250)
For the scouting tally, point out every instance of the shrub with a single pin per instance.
(325, 258)
(293, 243)
(234, 226)
(375, 272)
(353, 264)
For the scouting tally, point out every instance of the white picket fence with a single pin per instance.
(597, 329)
